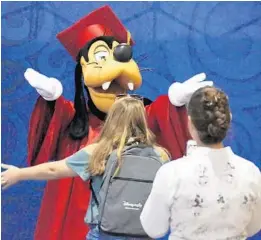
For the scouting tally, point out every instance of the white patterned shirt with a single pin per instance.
(211, 194)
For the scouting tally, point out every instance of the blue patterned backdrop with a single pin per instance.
(175, 39)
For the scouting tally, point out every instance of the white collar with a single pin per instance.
(208, 150)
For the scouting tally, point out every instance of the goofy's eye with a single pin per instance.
(101, 56)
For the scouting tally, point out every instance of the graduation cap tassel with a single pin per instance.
(79, 126)
(128, 37)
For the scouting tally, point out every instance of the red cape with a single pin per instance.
(65, 201)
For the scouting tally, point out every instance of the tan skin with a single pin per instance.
(101, 68)
(45, 171)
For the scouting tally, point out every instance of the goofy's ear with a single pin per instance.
(79, 127)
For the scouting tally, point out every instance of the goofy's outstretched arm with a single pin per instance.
(51, 114)
(167, 116)
(49, 88)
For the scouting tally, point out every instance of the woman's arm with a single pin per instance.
(45, 171)
(69, 167)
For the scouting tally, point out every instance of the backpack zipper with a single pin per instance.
(132, 179)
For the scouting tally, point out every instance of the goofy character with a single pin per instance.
(102, 48)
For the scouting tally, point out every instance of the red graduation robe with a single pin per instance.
(65, 201)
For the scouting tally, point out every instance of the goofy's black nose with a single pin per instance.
(123, 53)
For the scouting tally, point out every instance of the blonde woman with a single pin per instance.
(125, 123)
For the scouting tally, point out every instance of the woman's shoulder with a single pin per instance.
(247, 167)
(90, 148)
(178, 167)
(172, 171)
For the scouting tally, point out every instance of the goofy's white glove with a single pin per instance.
(49, 88)
(180, 93)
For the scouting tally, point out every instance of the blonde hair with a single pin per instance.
(125, 121)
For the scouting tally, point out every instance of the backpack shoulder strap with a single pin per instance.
(93, 193)
(111, 164)
(108, 172)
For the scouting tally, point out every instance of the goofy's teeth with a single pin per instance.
(106, 85)
(130, 86)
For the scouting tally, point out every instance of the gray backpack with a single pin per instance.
(125, 190)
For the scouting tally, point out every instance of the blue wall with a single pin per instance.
(175, 39)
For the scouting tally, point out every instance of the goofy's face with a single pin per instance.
(108, 70)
